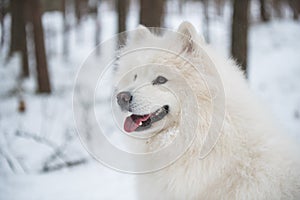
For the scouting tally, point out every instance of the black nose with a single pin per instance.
(123, 99)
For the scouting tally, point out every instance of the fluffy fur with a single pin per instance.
(251, 159)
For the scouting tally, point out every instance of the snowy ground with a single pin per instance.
(274, 64)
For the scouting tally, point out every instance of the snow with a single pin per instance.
(274, 70)
(274, 73)
(91, 181)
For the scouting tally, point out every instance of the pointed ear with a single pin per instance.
(139, 34)
(189, 37)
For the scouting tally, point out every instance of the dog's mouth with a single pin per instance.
(143, 122)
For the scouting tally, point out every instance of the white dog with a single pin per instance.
(250, 160)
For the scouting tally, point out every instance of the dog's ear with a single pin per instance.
(139, 34)
(189, 37)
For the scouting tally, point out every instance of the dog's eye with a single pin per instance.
(159, 80)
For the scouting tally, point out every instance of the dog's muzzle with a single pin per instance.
(124, 99)
(142, 122)
(136, 122)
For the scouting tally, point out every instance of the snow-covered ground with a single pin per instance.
(274, 71)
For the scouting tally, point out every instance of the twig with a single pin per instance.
(58, 152)
(8, 160)
(67, 164)
(56, 148)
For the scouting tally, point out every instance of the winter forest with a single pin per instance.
(43, 44)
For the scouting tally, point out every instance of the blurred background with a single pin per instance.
(43, 43)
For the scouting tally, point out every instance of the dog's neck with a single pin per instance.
(162, 139)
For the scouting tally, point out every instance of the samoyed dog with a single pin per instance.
(169, 81)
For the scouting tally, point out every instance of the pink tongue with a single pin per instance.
(131, 125)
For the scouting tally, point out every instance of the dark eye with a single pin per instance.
(159, 80)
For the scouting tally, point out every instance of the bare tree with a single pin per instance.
(122, 7)
(66, 26)
(98, 26)
(151, 12)
(3, 11)
(239, 34)
(39, 46)
(206, 20)
(295, 6)
(180, 4)
(264, 14)
(18, 34)
(277, 5)
(81, 8)
(15, 25)
(220, 7)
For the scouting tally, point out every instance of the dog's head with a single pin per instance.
(148, 74)
(146, 96)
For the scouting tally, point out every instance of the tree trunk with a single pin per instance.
(98, 27)
(81, 7)
(66, 27)
(18, 34)
(277, 5)
(295, 7)
(78, 10)
(264, 15)
(39, 45)
(122, 7)
(239, 34)
(206, 20)
(15, 26)
(25, 64)
(2, 15)
(220, 7)
(180, 6)
(151, 12)
(122, 14)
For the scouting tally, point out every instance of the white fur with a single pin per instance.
(251, 160)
